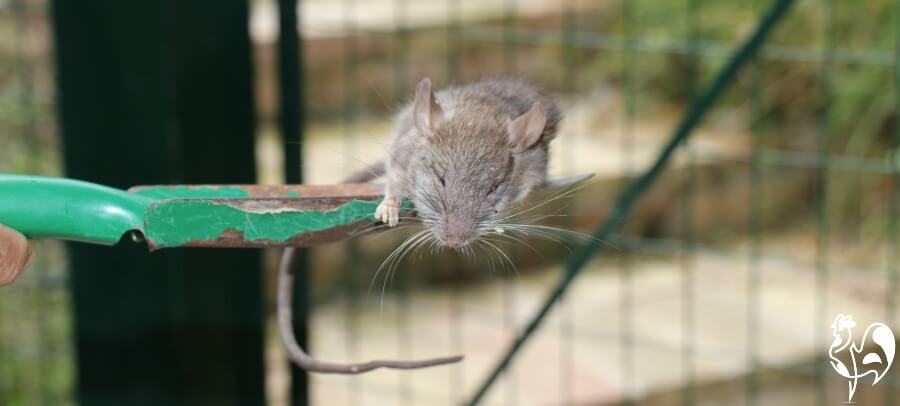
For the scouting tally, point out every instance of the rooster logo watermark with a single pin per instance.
(873, 355)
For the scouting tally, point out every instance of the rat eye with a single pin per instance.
(438, 175)
(493, 188)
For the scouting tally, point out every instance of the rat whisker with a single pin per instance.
(485, 252)
(389, 258)
(521, 241)
(504, 255)
(490, 258)
(546, 231)
(378, 271)
(520, 216)
(415, 247)
(500, 243)
(435, 246)
(424, 245)
(538, 217)
(429, 245)
(571, 233)
(527, 220)
(527, 232)
(541, 233)
(392, 269)
(562, 194)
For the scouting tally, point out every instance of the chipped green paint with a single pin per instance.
(171, 216)
(180, 222)
(193, 192)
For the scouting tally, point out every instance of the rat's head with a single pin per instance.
(468, 168)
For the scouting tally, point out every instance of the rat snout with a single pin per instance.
(455, 234)
(454, 240)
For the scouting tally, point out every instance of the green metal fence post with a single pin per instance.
(160, 92)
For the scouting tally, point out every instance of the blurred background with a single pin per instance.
(777, 215)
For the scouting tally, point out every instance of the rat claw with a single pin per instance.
(379, 211)
(388, 211)
(394, 214)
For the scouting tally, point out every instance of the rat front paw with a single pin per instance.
(388, 211)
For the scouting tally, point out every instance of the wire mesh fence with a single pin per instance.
(724, 283)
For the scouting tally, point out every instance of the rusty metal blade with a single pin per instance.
(257, 216)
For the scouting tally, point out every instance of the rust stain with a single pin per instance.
(232, 238)
(286, 204)
(355, 190)
(235, 239)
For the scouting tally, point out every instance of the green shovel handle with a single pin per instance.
(59, 208)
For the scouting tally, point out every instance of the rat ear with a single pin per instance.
(525, 130)
(427, 114)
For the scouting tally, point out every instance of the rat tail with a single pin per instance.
(286, 304)
(366, 174)
(307, 362)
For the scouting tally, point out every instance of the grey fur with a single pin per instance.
(470, 149)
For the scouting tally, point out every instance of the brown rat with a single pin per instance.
(464, 154)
